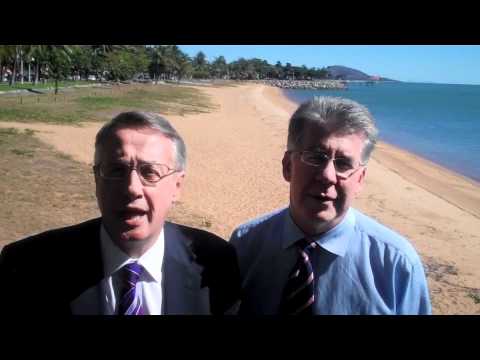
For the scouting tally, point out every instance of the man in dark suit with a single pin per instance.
(130, 261)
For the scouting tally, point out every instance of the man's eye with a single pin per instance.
(115, 170)
(149, 173)
(318, 158)
(343, 164)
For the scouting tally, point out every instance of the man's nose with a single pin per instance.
(327, 173)
(135, 186)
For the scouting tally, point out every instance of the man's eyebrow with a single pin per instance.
(322, 149)
(318, 148)
(117, 162)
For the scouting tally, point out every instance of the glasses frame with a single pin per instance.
(329, 158)
(97, 167)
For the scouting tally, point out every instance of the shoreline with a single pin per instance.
(453, 187)
(458, 189)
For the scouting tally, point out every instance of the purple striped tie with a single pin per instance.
(130, 303)
(299, 293)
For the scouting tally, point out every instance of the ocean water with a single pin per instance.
(440, 122)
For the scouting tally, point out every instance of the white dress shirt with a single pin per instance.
(103, 297)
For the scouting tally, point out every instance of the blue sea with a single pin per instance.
(440, 122)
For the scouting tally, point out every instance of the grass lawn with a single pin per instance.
(6, 87)
(40, 188)
(74, 105)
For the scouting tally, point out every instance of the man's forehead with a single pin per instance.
(140, 136)
(126, 139)
(343, 143)
(147, 131)
(319, 135)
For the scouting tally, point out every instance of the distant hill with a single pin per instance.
(345, 73)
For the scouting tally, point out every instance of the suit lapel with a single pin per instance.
(182, 277)
(86, 264)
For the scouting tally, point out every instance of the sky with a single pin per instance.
(448, 64)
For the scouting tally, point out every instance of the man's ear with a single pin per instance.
(287, 166)
(180, 177)
(361, 180)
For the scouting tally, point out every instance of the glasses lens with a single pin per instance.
(152, 172)
(113, 170)
(314, 158)
(343, 165)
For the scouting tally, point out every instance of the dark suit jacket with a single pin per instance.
(44, 273)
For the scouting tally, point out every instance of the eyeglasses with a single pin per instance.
(149, 173)
(344, 167)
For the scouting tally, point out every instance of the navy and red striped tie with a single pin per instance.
(299, 293)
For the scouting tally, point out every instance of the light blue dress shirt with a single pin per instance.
(361, 267)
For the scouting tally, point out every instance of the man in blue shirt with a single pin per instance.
(320, 255)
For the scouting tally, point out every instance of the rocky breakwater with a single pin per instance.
(306, 84)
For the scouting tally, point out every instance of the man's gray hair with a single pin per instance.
(333, 115)
(139, 120)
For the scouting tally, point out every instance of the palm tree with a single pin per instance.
(81, 61)
(185, 67)
(200, 65)
(26, 52)
(100, 53)
(11, 55)
(4, 58)
(160, 61)
(168, 60)
(176, 62)
(58, 59)
(219, 67)
(39, 55)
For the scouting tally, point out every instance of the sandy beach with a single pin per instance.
(234, 174)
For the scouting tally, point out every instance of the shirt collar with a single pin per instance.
(291, 232)
(335, 240)
(114, 258)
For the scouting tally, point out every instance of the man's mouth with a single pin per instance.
(321, 198)
(132, 216)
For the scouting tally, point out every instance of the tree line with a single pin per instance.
(35, 63)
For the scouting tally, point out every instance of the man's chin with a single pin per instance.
(322, 221)
(322, 214)
(133, 235)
